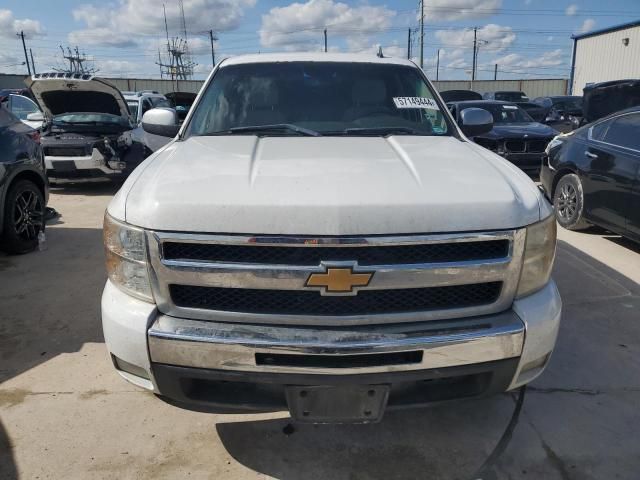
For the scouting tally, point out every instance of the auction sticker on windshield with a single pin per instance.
(415, 102)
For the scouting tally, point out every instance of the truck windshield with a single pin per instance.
(318, 98)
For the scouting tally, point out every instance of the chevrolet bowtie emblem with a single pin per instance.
(339, 280)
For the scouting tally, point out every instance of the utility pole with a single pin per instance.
(21, 35)
(33, 64)
(475, 53)
(438, 66)
(421, 33)
(495, 72)
(409, 44)
(325, 40)
(213, 54)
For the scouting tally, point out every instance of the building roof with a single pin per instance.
(602, 31)
(313, 57)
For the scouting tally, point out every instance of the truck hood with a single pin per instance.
(326, 186)
(602, 99)
(58, 94)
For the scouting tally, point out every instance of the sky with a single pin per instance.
(525, 38)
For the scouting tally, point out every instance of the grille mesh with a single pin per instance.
(313, 255)
(515, 146)
(304, 302)
(65, 151)
(537, 146)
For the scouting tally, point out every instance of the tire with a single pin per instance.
(24, 210)
(568, 202)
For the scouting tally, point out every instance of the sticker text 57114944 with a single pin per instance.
(415, 102)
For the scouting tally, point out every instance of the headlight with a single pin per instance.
(126, 252)
(557, 141)
(539, 252)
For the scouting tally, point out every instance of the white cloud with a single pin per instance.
(9, 59)
(571, 10)
(446, 10)
(299, 26)
(112, 68)
(122, 24)
(9, 25)
(102, 36)
(498, 37)
(527, 2)
(587, 25)
(458, 64)
(516, 63)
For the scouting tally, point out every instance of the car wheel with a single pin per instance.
(23, 217)
(568, 200)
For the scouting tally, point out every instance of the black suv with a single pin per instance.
(24, 189)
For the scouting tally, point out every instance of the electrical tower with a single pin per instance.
(76, 62)
(178, 65)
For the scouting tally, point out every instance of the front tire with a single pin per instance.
(568, 200)
(23, 217)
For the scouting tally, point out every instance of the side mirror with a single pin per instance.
(161, 121)
(475, 121)
(35, 117)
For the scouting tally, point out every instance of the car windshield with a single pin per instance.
(325, 98)
(504, 113)
(160, 102)
(512, 97)
(570, 104)
(133, 109)
(89, 118)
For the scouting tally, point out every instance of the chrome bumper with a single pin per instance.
(225, 346)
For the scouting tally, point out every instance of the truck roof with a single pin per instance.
(314, 57)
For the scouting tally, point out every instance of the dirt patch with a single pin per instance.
(89, 394)
(13, 397)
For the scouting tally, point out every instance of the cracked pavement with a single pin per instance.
(65, 413)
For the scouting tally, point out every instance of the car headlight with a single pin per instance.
(126, 252)
(557, 141)
(539, 253)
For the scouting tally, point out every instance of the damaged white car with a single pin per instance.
(88, 134)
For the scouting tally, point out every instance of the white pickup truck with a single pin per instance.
(320, 236)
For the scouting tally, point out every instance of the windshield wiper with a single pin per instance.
(382, 131)
(267, 128)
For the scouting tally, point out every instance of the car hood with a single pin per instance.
(326, 186)
(58, 94)
(519, 130)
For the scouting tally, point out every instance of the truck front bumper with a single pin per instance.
(202, 365)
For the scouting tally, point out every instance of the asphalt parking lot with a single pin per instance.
(65, 413)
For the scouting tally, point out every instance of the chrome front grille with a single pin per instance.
(363, 255)
(265, 279)
(305, 302)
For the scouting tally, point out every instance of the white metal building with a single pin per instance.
(602, 55)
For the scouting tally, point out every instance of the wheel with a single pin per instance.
(568, 200)
(23, 217)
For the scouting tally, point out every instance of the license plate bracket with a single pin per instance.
(337, 404)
